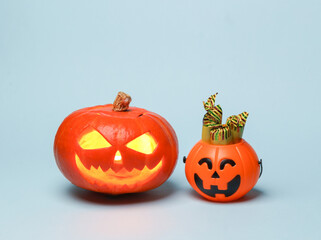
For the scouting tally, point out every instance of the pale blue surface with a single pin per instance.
(261, 56)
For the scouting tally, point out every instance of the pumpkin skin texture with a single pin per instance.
(222, 173)
(112, 152)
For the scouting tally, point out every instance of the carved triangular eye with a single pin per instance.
(93, 140)
(144, 144)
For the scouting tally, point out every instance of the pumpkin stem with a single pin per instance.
(121, 103)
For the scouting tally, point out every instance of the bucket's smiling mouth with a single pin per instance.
(232, 187)
(120, 178)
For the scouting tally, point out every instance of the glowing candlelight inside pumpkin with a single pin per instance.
(117, 158)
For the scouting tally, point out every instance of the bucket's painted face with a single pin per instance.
(222, 172)
(232, 185)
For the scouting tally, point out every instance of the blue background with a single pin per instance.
(261, 56)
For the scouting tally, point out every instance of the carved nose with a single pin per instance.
(118, 158)
(215, 175)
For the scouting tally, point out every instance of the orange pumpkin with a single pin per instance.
(222, 172)
(116, 149)
(222, 166)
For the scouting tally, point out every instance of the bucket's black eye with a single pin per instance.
(207, 161)
(226, 161)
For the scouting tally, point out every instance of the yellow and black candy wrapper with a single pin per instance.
(221, 135)
(214, 131)
(214, 113)
(237, 123)
(212, 117)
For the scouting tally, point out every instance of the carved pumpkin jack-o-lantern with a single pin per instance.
(222, 166)
(115, 148)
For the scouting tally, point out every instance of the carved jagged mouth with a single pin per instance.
(232, 186)
(121, 177)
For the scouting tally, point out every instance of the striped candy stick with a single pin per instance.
(221, 135)
(212, 117)
(237, 124)
(210, 103)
